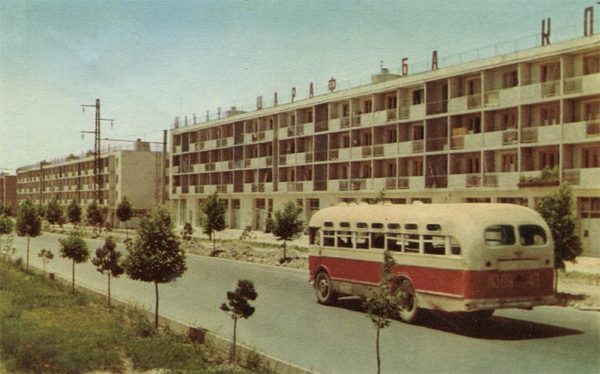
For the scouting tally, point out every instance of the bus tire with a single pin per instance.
(408, 310)
(324, 289)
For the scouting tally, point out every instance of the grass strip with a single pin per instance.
(45, 328)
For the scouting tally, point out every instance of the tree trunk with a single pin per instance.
(28, 238)
(126, 231)
(284, 250)
(156, 306)
(377, 347)
(233, 358)
(555, 280)
(73, 279)
(214, 240)
(108, 290)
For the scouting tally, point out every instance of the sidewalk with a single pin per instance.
(590, 265)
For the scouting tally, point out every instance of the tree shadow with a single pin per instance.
(494, 328)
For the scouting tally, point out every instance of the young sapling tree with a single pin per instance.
(238, 307)
(75, 248)
(108, 260)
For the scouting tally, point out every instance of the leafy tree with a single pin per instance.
(54, 213)
(287, 224)
(29, 223)
(75, 248)
(125, 213)
(187, 232)
(155, 256)
(6, 225)
(381, 198)
(557, 211)
(383, 302)
(107, 260)
(46, 255)
(7, 210)
(41, 209)
(214, 216)
(74, 213)
(94, 216)
(238, 306)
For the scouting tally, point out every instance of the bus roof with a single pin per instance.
(447, 215)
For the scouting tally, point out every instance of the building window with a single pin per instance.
(590, 157)
(368, 106)
(418, 96)
(313, 204)
(510, 79)
(591, 65)
(589, 207)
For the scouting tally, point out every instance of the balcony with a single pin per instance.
(583, 84)
(437, 144)
(391, 115)
(461, 181)
(502, 98)
(583, 177)
(403, 113)
(344, 122)
(538, 91)
(417, 112)
(334, 124)
(319, 127)
(367, 119)
(418, 146)
(529, 135)
(437, 107)
(510, 136)
(355, 121)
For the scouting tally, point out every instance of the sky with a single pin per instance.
(149, 61)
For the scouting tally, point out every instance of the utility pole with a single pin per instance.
(97, 150)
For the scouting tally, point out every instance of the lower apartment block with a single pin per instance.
(506, 129)
(134, 173)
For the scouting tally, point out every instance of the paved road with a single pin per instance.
(289, 324)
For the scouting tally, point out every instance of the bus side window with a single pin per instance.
(344, 239)
(532, 235)
(328, 238)
(434, 244)
(394, 242)
(362, 240)
(411, 243)
(377, 240)
(499, 235)
(454, 246)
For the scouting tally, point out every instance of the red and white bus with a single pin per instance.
(471, 258)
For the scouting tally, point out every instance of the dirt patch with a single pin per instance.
(249, 252)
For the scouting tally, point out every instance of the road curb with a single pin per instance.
(247, 356)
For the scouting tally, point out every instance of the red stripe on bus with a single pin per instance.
(468, 284)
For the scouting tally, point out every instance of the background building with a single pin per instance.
(504, 129)
(134, 173)
(8, 190)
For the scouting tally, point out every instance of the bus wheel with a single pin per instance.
(325, 294)
(408, 310)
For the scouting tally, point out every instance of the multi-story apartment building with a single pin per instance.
(8, 190)
(134, 173)
(504, 129)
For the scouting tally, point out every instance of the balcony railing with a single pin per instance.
(529, 135)
(437, 144)
(391, 115)
(550, 89)
(333, 154)
(473, 180)
(457, 142)
(356, 120)
(490, 180)
(344, 122)
(367, 151)
(593, 128)
(391, 183)
(573, 85)
(437, 107)
(321, 126)
(378, 151)
(474, 101)
(510, 136)
(358, 184)
(572, 176)
(403, 113)
(417, 146)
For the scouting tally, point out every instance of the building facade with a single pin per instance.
(134, 173)
(505, 129)
(8, 190)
